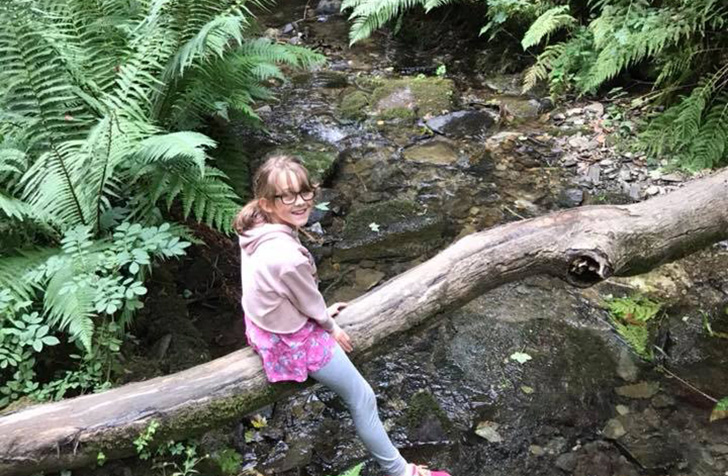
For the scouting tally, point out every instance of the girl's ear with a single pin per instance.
(265, 205)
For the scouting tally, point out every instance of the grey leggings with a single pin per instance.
(342, 377)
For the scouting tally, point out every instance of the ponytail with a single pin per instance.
(249, 217)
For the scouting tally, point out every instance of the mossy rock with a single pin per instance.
(403, 232)
(319, 158)
(424, 418)
(412, 97)
(354, 105)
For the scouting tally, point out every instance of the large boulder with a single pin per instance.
(438, 152)
(461, 124)
(412, 97)
(319, 158)
(391, 229)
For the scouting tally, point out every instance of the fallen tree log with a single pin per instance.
(583, 246)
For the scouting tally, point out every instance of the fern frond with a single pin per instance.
(708, 149)
(51, 184)
(207, 197)
(14, 208)
(544, 63)
(175, 146)
(13, 270)
(213, 39)
(370, 15)
(69, 305)
(550, 21)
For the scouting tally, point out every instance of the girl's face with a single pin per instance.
(289, 205)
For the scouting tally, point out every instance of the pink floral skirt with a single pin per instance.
(291, 356)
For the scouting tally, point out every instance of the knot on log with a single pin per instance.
(587, 267)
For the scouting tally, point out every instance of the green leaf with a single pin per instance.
(720, 411)
(50, 340)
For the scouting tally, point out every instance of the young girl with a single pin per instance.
(287, 321)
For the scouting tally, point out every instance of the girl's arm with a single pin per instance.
(302, 291)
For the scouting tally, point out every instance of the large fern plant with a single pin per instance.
(95, 97)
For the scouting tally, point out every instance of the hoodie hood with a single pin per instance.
(253, 238)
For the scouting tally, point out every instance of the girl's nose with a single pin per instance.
(299, 199)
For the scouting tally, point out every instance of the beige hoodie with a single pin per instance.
(280, 292)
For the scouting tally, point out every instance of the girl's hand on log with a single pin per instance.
(336, 308)
(342, 338)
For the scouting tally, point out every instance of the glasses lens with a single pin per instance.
(288, 198)
(308, 195)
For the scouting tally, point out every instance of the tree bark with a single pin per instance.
(582, 245)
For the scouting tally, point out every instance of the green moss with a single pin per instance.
(353, 105)
(319, 158)
(398, 113)
(422, 405)
(430, 96)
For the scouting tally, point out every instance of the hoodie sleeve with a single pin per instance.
(300, 287)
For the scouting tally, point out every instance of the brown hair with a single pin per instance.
(264, 186)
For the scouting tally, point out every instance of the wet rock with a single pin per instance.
(536, 450)
(328, 7)
(673, 177)
(634, 192)
(412, 97)
(602, 459)
(719, 449)
(435, 152)
(518, 107)
(667, 283)
(425, 419)
(321, 79)
(556, 445)
(335, 205)
(625, 174)
(511, 84)
(594, 174)
(626, 368)
(159, 349)
(583, 143)
(460, 124)
(319, 158)
(272, 33)
(595, 108)
(614, 429)
(367, 278)
(404, 232)
(622, 409)
(652, 190)
(571, 197)
(294, 454)
(642, 390)
(566, 462)
(574, 111)
(489, 431)
(662, 400)
(653, 452)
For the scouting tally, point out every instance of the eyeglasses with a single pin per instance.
(290, 198)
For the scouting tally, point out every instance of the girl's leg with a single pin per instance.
(342, 377)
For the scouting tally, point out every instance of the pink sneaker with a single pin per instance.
(418, 470)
